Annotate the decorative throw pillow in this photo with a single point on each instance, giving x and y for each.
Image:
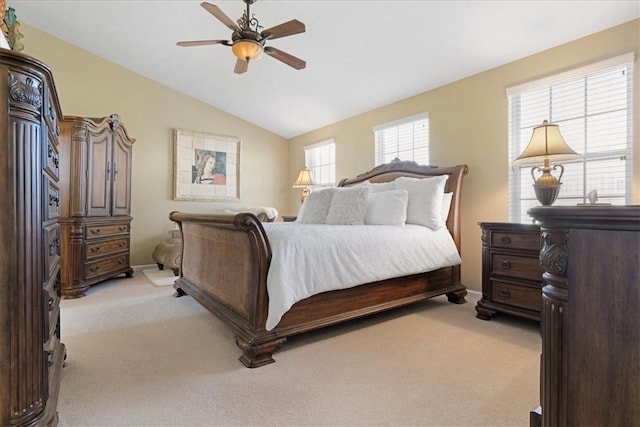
(348, 206)
(387, 208)
(316, 206)
(425, 200)
(446, 205)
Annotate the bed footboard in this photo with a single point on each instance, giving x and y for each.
(225, 261)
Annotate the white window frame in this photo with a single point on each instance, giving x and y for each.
(403, 139)
(320, 158)
(518, 130)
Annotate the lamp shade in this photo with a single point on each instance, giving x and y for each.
(247, 49)
(305, 179)
(546, 143)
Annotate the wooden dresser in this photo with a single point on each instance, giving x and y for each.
(511, 272)
(31, 354)
(590, 317)
(95, 184)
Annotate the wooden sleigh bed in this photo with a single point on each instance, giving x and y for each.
(226, 259)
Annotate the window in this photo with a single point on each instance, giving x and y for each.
(406, 139)
(320, 158)
(593, 107)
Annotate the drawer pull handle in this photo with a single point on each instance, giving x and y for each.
(506, 265)
(506, 239)
(95, 231)
(94, 250)
(122, 261)
(94, 268)
(505, 293)
(54, 200)
(51, 305)
(122, 244)
(53, 247)
(123, 228)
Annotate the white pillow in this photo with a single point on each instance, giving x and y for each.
(425, 200)
(387, 208)
(446, 205)
(316, 206)
(377, 187)
(348, 206)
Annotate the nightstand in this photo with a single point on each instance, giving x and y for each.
(511, 270)
(287, 218)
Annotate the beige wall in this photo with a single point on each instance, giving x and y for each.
(468, 125)
(90, 86)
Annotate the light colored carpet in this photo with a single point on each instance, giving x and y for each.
(138, 356)
(160, 277)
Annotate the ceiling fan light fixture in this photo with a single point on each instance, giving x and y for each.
(247, 49)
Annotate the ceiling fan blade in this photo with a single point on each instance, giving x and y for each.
(202, 43)
(288, 59)
(283, 30)
(222, 17)
(241, 66)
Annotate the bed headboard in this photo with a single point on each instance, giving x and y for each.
(396, 168)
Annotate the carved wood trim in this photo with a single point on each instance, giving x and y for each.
(554, 256)
(25, 89)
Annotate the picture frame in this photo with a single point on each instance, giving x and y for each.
(206, 166)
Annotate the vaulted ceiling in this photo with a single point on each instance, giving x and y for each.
(360, 54)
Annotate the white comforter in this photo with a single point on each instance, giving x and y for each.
(308, 259)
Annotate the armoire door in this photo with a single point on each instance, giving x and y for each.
(121, 201)
(99, 174)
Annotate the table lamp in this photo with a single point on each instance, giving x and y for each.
(304, 181)
(546, 144)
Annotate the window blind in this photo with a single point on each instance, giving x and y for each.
(320, 158)
(406, 139)
(593, 107)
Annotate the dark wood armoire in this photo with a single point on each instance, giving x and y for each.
(31, 354)
(95, 217)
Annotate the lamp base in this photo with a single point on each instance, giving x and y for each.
(547, 186)
(546, 195)
(305, 194)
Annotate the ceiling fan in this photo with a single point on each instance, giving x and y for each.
(248, 42)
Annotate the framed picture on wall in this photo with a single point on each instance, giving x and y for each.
(206, 166)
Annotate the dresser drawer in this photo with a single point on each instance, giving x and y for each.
(52, 247)
(516, 266)
(516, 295)
(53, 201)
(52, 305)
(106, 247)
(95, 231)
(105, 266)
(505, 239)
(52, 160)
(50, 347)
(51, 118)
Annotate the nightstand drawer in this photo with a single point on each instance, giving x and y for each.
(501, 239)
(516, 295)
(516, 266)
